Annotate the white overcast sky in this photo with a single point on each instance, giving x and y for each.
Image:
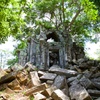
(9, 45)
(92, 49)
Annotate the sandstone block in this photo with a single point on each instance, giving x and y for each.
(39, 96)
(2, 73)
(35, 78)
(8, 77)
(41, 73)
(14, 85)
(59, 95)
(48, 91)
(35, 89)
(3, 86)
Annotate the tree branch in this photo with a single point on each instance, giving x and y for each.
(74, 18)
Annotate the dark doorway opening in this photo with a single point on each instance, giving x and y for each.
(53, 57)
(53, 36)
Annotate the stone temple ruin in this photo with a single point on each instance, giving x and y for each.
(47, 49)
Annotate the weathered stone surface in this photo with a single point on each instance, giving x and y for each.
(2, 73)
(48, 91)
(96, 75)
(9, 91)
(8, 70)
(35, 78)
(4, 96)
(77, 69)
(68, 73)
(48, 76)
(49, 82)
(79, 61)
(86, 82)
(75, 82)
(59, 95)
(87, 73)
(69, 80)
(49, 98)
(95, 93)
(29, 67)
(22, 77)
(60, 81)
(96, 79)
(97, 84)
(78, 92)
(14, 85)
(16, 67)
(35, 89)
(3, 86)
(23, 98)
(65, 90)
(39, 96)
(8, 77)
(84, 65)
(41, 73)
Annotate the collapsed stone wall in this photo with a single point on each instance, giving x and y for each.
(79, 81)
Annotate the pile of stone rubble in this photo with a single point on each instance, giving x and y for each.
(80, 80)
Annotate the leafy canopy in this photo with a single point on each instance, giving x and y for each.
(24, 18)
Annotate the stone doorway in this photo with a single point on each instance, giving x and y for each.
(53, 57)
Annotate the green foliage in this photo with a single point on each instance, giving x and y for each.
(11, 62)
(23, 18)
(31, 98)
(10, 18)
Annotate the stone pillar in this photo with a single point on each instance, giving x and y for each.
(62, 56)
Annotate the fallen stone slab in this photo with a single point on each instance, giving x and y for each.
(84, 66)
(14, 85)
(60, 81)
(35, 78)
(71, 79)
(17, 67)
(78, 92)
(9, 91)
(49, 82)
(87, 74)
(94, 93)
(39, 96)
(65, 90)
(47, 92)
(8, 77)
(29, 67)
(35, 89)
(96, 75)
(48, 76)
(41, 73)
(3, 86)
(2, 73)
(59, 95)
(22, 77)
(86, 83)
(75, 82)
(97, 85)
(96, 79)
(61, 71)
